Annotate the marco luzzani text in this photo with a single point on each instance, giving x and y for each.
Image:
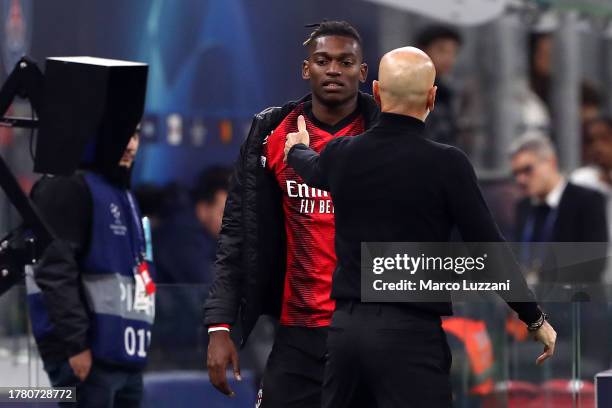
(413, 265)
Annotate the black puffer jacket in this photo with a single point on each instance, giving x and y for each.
(251, 254)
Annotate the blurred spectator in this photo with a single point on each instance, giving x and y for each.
(540, 79)
(591, 109)
(591, 102)
(554, 210)
(150, 199)
(535, 101)
(209, 197)
(598, 173)
(185, 242)
(442, 44)
(540, 65)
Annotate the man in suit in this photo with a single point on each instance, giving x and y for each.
(555, 210)
(399, 187)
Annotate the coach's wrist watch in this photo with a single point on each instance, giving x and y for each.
(532, 327)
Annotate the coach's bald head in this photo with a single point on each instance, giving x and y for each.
(406, 83)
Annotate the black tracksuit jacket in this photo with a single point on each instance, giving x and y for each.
(251, 253)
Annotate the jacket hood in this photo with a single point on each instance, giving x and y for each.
(102, 156)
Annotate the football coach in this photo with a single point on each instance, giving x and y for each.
(391, 184)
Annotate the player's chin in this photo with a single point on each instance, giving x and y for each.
(336, 98)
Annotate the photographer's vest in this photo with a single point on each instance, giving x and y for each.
(474, 336)
(120, 321)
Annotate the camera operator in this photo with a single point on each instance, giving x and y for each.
(91, 296)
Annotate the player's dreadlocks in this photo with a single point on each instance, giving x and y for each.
(340, 28)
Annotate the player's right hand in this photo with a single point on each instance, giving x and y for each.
(222, 352)
(81, 364)
(547, 336)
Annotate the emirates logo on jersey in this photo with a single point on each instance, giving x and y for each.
(312, 200)
(259, 398)
(302, 190)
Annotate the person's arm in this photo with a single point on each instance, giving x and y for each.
(307, 163)
(475, 223)
(65, 204)
(312, 167)
(223, 301)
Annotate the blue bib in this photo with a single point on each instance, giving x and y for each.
(120, 328)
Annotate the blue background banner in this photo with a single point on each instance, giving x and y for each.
(213, 65)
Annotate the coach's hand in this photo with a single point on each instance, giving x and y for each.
(301, 136)
(222, 352)
(547, 336)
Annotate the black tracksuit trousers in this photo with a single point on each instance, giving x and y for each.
(397, 354)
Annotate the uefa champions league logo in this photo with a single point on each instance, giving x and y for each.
(114, 209)
(117, 226)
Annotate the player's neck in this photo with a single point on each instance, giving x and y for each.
(331, 115)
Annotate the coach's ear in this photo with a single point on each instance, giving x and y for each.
(305, 70)
(376, 91)
(431, 98)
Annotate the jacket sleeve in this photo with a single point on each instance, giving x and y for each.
(476, 225)
(307, 163)
(223, 299)
(315, 168)
(65, 204)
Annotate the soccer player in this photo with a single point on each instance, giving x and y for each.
(276, 247)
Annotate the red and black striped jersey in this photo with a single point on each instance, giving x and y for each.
(309, 222)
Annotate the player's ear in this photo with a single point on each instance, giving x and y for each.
(305, 70)
(363, 72)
